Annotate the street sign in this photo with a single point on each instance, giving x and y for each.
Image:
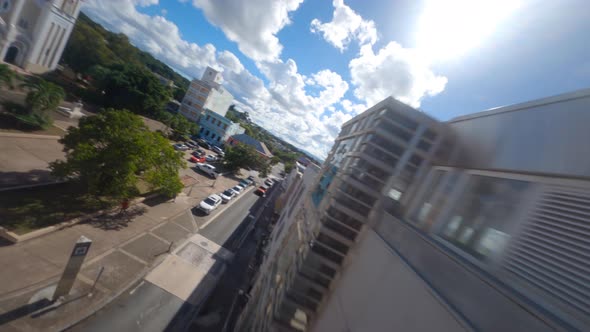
(72, 267)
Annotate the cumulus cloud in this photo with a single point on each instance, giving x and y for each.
(253, 24)
(346, 25)
(393, 71)
(284, 106)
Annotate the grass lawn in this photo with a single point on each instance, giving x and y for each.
(25, 210)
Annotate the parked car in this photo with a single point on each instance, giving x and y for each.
(191, 144)
(269, 182)
(227, 195)
(261, 191)
(204, 144)
(197, 159)
(180, 147)
(207, 169)
(217, 150)
(210, 203)
(251, 178)
(198, 153)
(237, 189)
(211, 158)
(245, 183)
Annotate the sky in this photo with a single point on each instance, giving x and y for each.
(302, 68)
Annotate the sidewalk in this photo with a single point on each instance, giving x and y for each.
(126, 247)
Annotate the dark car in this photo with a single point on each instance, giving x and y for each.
(205, 145)
(199, 153)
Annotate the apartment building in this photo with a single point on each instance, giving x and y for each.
(206, 94)
(216, 128)
(478, 223)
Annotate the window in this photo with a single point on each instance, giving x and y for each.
(224, 127)
(218, 139)
(4, 6)
(480, 222)
(429, 135)
(424, 146)
(208, 117)
(207, 132)
(218, 123)
(437, 193)
(213, 136)
(402, 120)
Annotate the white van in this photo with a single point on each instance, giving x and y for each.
(207, 169)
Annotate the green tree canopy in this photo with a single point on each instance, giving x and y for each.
(130, 87)
(43, 95)
(245, 156)
(112, 151)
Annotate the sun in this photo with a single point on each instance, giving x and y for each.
(448, 29)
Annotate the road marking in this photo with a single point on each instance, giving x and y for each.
(136, 287)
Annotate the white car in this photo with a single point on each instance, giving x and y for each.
(227, 195)
(207, 169)
(211, 158)
(180, 147)
(218, 150)
(269, 182)
(210, 203)
(237, 189)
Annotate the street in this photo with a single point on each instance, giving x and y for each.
(147, 307)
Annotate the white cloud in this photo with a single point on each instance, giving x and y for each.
(253, 24)
(393, 71)
(346, 25)
(285, 106)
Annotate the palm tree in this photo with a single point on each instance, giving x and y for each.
(7, 75)
(43, 96)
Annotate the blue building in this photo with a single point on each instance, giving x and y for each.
(216, 128)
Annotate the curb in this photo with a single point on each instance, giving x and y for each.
(3, 134)
(15, 238)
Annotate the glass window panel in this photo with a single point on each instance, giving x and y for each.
(479, 223)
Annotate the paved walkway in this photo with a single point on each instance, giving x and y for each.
(125, 246)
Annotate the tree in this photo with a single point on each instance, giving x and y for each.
(43, 96)
(289, 167)
(245, 156)
(112, 151)
(128, 86)
(7, 76)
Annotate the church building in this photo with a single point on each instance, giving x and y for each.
(34, 33)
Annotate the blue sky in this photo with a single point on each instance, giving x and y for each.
(302, 68)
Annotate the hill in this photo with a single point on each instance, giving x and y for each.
(108, 48)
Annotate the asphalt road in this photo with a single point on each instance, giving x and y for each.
(148, 307)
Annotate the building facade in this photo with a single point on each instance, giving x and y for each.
(216, 128)
(33, 34)
(206, 94)
(479, 223)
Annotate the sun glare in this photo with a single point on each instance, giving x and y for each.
(447, 29)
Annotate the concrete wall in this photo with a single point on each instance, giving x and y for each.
(484, 303)
(547, 136)
(378, 292)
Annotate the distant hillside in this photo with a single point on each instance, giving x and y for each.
(287, 152)
(108, 48)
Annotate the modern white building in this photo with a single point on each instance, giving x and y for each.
(34, 33)
(206, 94)
(481, 223)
